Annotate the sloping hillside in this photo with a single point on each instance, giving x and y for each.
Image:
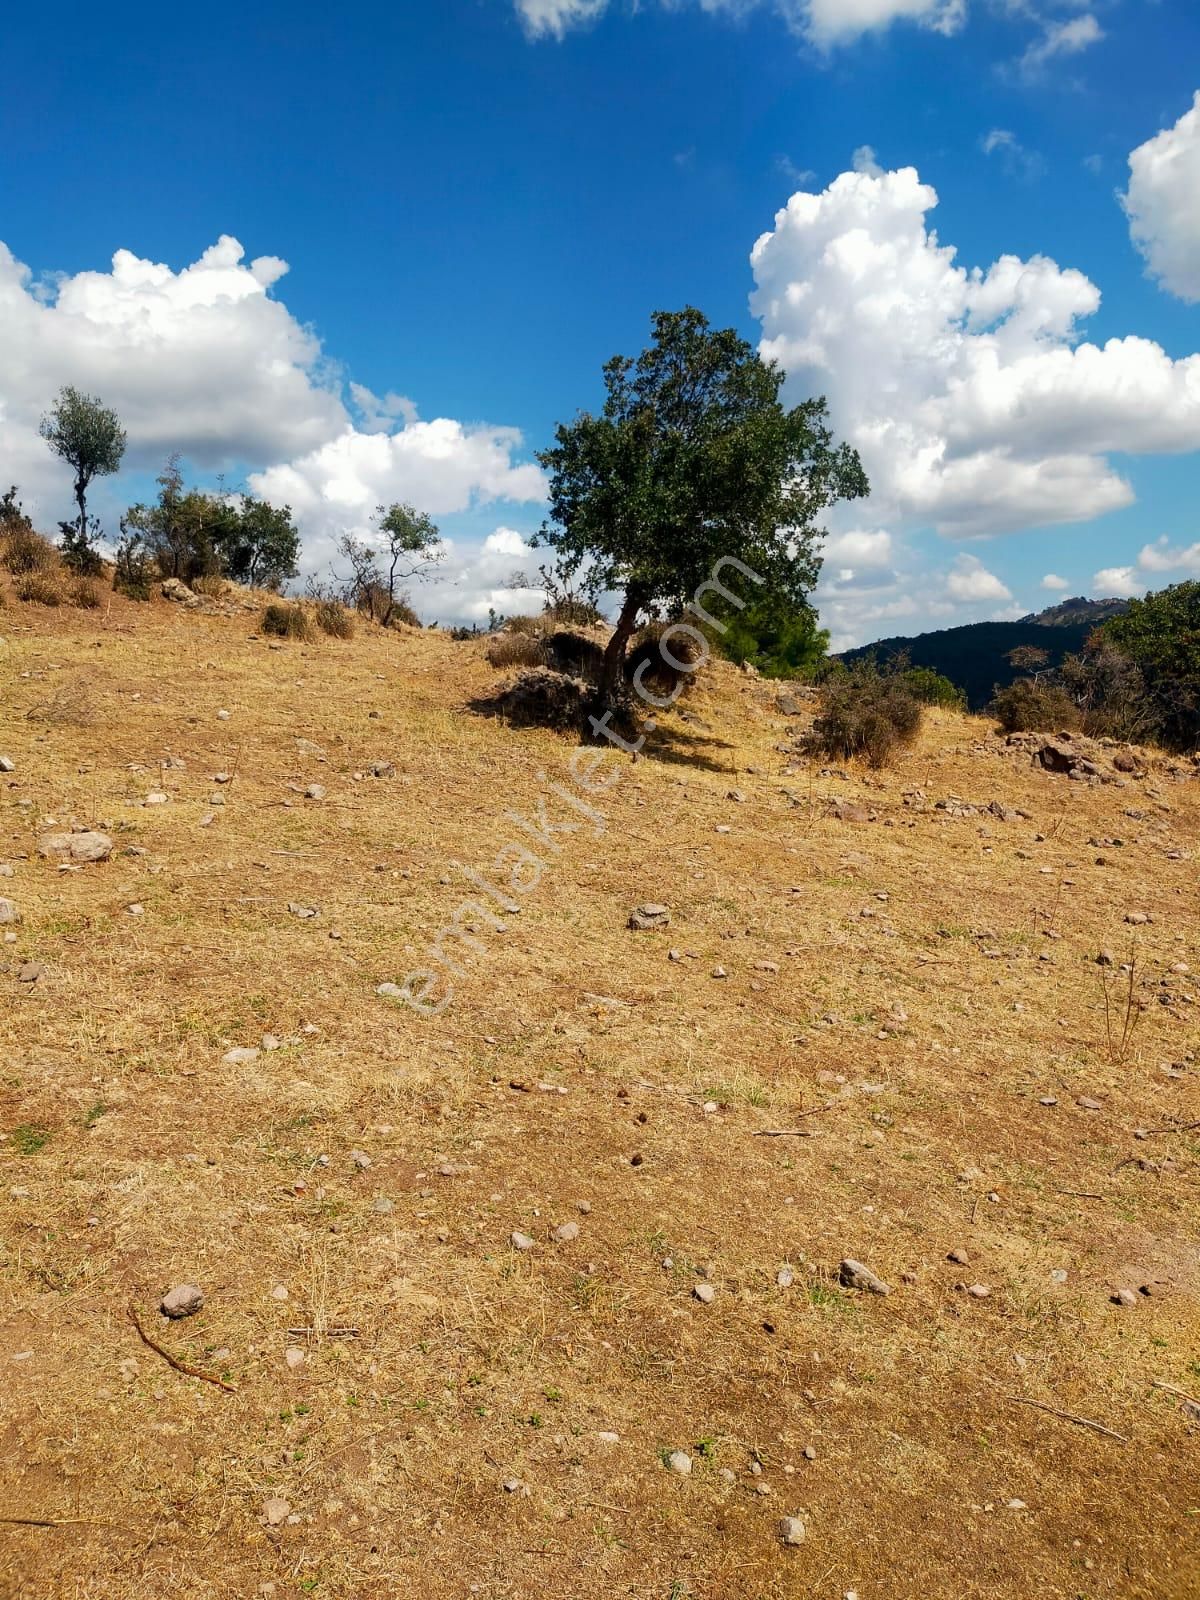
(975, 656)
(481, 1286)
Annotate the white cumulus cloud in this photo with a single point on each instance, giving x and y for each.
(1161, 556)
(969, 580)
(1163, 204)
(1117, 583)
(975, 404)
(206, 361)
(825, 22)
(1053, 582)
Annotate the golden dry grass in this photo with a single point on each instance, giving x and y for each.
(135, 1158)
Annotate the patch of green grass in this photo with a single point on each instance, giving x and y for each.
(29, 1138)
(94, 1114)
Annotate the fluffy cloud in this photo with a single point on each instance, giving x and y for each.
(1117, 583)
(205, 361)
(969, 581)
(202, 360)
(472, 580)
(1163, 204)
(1160, 557)
(968, 392)
(1053, 582)
(442, 467)
(825, 22)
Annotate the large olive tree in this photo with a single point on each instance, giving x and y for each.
(88, 436)
(692, 459)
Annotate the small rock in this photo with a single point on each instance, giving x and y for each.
(279, 1292)
(158, 798)
(6, 765)
(1124, 1297)
(87, 846)
(792, 1530)
(785, 1277)
(315, 791)
(1105, 958)
(705, 1293)
(382, 1206)
(605, 1436)
(521, 1241)
(1048, 1100)
(360, 1159)
(30, 972)
(275, 1511)
(241, 1056)
(182, 1301)
(1086, 1103)
(9, 912)
(512, 1485)
(719, 972)
(809, 1453)
(960, 1256)
(566, 1232)
(979, 1291)
(649, 915)
(136, 909)
(295, 1357)
(855, 1276)
(680, 1463)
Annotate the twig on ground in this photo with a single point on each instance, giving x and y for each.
(1082, 1194)
(1069, 1416)
(794, 1133)
(180, 1366)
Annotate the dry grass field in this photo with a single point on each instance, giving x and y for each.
(414, 1404)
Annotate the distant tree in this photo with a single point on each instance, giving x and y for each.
(185, 530)
(692, 460)
(1161, 635)
(1029, 658)
(409, 546)
(259, 545)
(88, 436)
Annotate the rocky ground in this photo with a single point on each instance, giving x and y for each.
(797, 1196)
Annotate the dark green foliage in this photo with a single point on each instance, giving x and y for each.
(88, 436)
(867, 713)
(781, 639)
(283, 621)
(932, 689)
(12, 514)
(1161, 636)
(133, 569)
(693, 461)
(78, 549)
(258, 545)
(1029, 706)
(410, 545)
(975, 656)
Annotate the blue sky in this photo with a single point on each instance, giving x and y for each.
(475, 214)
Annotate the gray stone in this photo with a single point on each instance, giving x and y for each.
(6, 765)
(315, 791)
(88, 846)
(705, 1293)
(30, 972)
(649, 915)
(792, 1530)
(9, 912)
(521, 1241)
(184, 1300)
(680, 1463)
(855, 1276)
(241, 1056)
(566, 1232)
(276, 1510)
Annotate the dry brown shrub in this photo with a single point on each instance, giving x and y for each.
(515, 650)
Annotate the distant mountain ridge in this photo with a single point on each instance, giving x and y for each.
(974, 656)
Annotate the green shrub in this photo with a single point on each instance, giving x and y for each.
(1035, 706)
(865, 713)
(933, 688)
(283, 621)
(133, 569)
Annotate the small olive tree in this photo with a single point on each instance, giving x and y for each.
(88, 436)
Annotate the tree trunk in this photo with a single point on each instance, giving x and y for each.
(614, 652)
(81, 502)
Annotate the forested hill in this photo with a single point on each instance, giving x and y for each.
(975, 656)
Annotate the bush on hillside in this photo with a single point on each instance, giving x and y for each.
(133, 569)
(1160, 634)
(1111, 692)
(515, 650)
(282, 621)
(333, 618)
(933, 689)
(43, 586)
(84, 594)
(1029, 706)
(867, 714)
(25, 551)
(662, 677)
